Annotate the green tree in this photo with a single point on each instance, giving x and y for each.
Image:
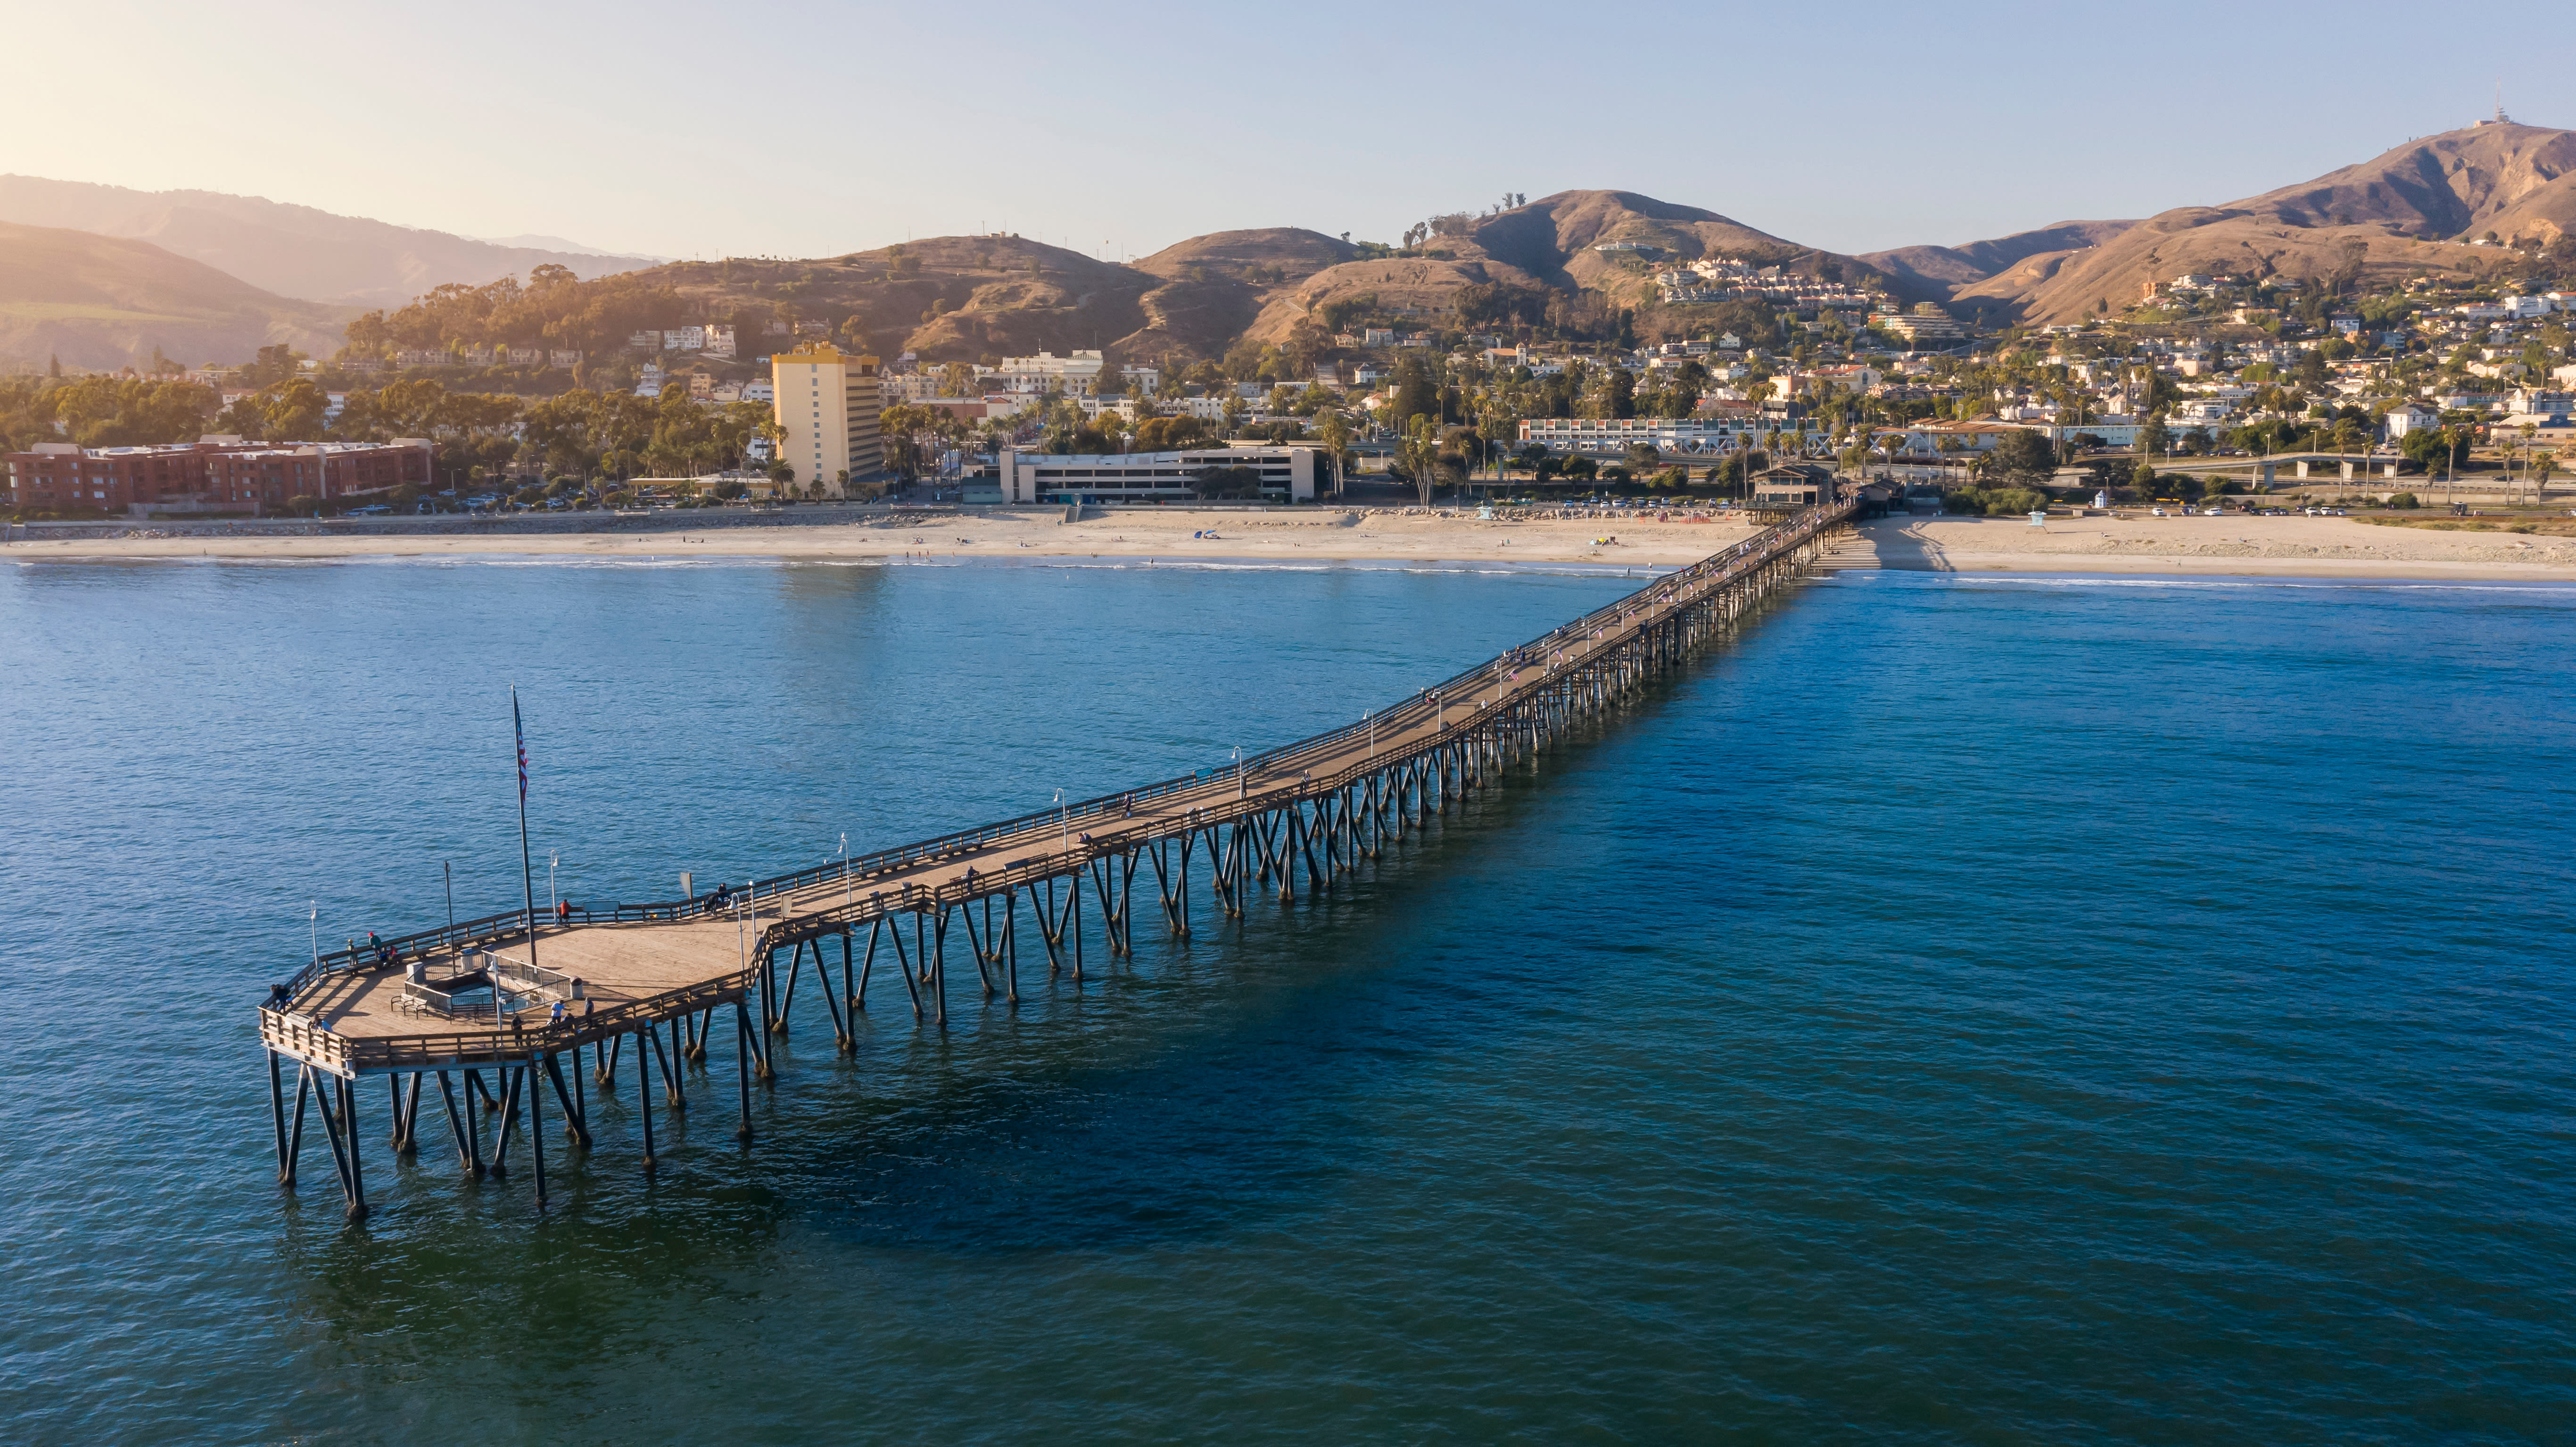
(1334, 432)
(2022, 456)
(292, 410)
(1419, 455)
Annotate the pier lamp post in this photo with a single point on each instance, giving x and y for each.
(1239, 785)
(1063, 824)
(845, 871)
(552, 859)
(314, 921)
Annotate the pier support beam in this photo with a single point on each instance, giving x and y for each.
(742, 1066)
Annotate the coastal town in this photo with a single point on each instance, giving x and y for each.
(1734, 374)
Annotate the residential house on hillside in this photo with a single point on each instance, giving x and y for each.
(1076, 376)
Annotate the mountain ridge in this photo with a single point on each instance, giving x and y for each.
(975, 298)
(2413, 209)
(299, 252)
(104, 302)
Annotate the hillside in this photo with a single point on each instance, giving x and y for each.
(99, 301)
(2408, 212)
(980, 298)
(1547, 243)
(291, 251)
(1935, 273)
(948, 298)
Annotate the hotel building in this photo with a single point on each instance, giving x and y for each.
(830, 406)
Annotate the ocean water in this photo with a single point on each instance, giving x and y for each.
(1955, 1010)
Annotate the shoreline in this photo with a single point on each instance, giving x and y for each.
(2289, 548)
(1640, 544)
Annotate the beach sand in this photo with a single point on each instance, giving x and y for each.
(2321, 547)
(1301, 535)
(2266, 546)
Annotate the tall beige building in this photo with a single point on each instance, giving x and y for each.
(829, 405)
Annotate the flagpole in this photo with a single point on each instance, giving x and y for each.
(527, 871)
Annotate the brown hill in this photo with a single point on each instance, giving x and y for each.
(947, 298)
(1215, 286)
(2408, 212)
(293, 251)
(1548, 243)
(101, 301)
(1935, 273)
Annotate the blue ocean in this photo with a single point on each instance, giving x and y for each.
(1952, 1010)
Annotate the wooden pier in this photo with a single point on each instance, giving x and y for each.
(504, 1018)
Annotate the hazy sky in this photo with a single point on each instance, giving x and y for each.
(813, 129)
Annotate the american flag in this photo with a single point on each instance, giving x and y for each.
(521, 731)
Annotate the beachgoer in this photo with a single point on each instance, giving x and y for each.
(555, 1016)
(563, 910)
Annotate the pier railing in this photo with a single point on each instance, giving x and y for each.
(1753, 552)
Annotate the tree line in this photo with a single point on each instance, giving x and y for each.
(604, 434)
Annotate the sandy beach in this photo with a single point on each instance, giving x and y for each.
(2268, 546)
(2323, 547)
(1301, 535)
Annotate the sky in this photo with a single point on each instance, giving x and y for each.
(807, 129)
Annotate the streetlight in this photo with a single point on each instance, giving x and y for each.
(314, 921)
(845, 871)
(1239, 786)
(552, 858)
(1064, 824)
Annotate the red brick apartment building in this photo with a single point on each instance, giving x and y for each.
(212, 474)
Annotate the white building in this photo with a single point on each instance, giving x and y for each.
(1286, 474)
(2410, 417)
(1664, 434)
(1075, 376)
